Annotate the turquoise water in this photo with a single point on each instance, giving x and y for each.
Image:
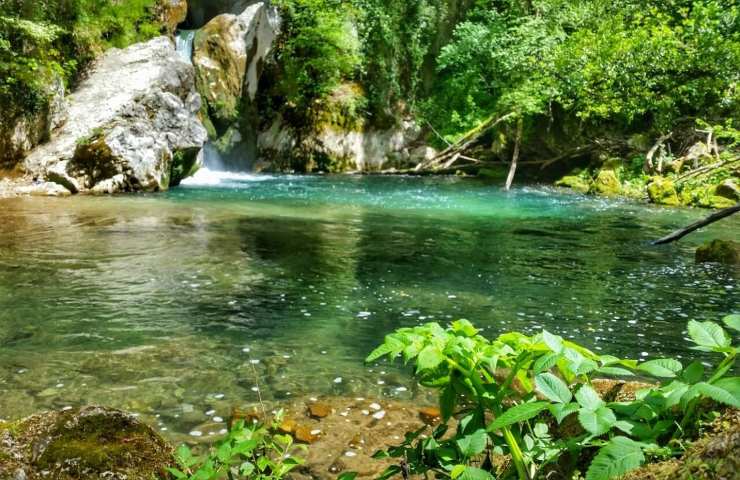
(230, 288)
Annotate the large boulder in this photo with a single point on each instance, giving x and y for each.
(85, 444)
(131, 126)
(606, 183)
(228, 56)
(172, 13)
(662, 191)
(337, 149)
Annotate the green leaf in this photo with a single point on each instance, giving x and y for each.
(616, 458)
(516, 414)
(615, 371)
(588, 398)
(560, 411)
(718, 394)
(447, 402)
(429, 358)
(732, 321)
(597, 422)
(391, 347)
(731, 384)
(347, 476)
(545, 362)
(708, 334)
(176, 473)
(473, 444)
(693, 373)
(457, 470)
(464, 327)
(474, 473)
(662, 367)
(553, 388)
(554, 342)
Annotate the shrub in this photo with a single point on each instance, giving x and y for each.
(545, 381)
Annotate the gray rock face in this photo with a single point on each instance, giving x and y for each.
(228, 56)
(347, 150)
(20, 133)
(131, 126)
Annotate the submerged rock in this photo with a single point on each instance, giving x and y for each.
(719, 251)
(662, 191)
(129, 123)
(89, 443)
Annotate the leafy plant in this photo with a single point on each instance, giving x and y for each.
(249, 451)
(532, 385)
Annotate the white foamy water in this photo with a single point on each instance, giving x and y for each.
(208, 177)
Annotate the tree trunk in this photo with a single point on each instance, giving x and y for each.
(515, 157)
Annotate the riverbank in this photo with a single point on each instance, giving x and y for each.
(341, 435)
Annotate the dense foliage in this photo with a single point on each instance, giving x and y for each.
(626, 66)
(547, 416)
(247, 451)
(42, 41)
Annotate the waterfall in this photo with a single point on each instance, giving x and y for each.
(184, 44)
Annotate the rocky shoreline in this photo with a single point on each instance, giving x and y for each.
(341, 434)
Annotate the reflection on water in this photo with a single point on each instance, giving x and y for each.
(188, 302)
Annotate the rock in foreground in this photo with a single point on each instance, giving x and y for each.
(89, 443)
(131, 126)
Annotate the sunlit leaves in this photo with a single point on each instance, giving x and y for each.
(708, 336)
(553, 388)
(516, 414)
(662, 367)
(615, 459)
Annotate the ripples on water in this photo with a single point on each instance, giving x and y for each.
(167, 304)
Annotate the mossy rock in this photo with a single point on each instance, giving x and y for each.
(662, 191)
(729, 190)
(89, 443)
(716, 201)
(574, 182)
(714, 456)
(606, 183)
(719, 251)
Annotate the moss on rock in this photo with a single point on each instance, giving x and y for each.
(719, 251)
(89, 443)
(662, 191)
(606, 183)
(574, 182)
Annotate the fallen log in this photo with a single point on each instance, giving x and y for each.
(715, 217)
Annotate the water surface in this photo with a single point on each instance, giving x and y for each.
(187, 302)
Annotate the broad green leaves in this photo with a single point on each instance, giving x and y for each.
(708, 336)
(615, 459)
(597, 422)
(473, 444)
(516, 378)
(516, 414)
(733, 321)
(429, 358)
(588, 398)
(553, 388)
(663, 367)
